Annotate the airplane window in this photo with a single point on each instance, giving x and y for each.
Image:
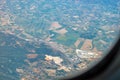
(53, 39)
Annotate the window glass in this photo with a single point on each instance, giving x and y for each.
(51, 39)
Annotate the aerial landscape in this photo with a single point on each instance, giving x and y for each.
(51, 39)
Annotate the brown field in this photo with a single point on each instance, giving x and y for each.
(4, 21)
(61, 31)
(87, 45)
(31, 56)
(55, 25)
(77, 43)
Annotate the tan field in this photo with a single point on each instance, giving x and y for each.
(61, 31)
(31, 56)
(4, 21)
(87, 45)
(51, 72)
(55, 25)
(77, 43)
